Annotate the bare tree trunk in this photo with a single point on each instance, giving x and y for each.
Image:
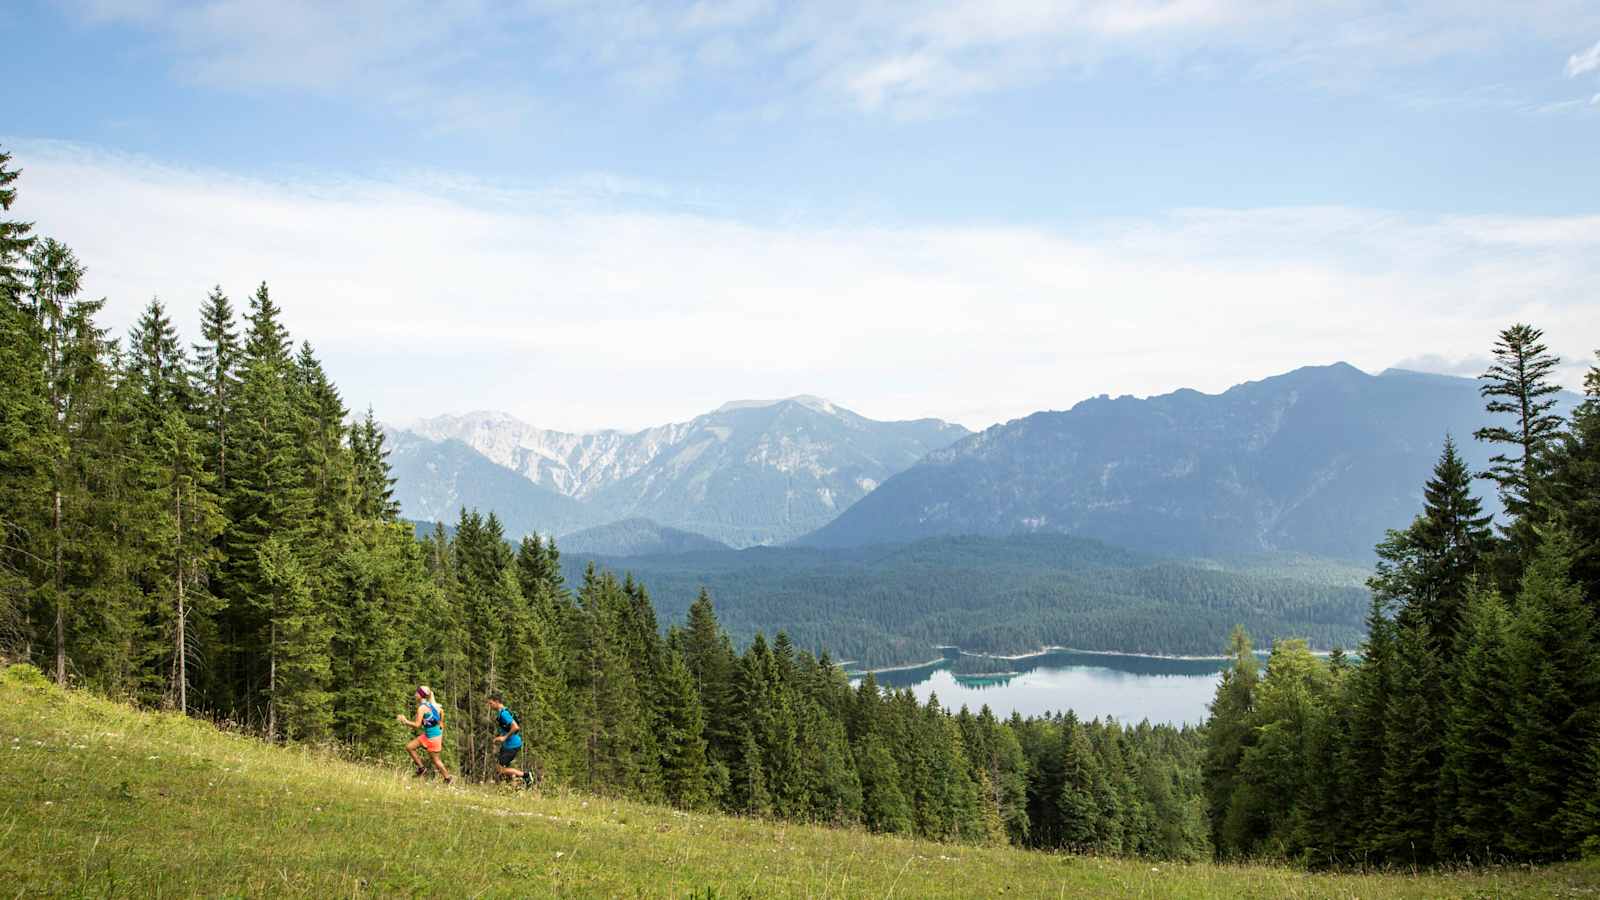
(272, 685)
(61, 619)
(58, 420)
(222, 426)
(183, 674)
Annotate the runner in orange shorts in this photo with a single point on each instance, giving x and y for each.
(430, 721)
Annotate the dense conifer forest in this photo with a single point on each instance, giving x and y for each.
(203, 527)
(889, 605)
(1470, 730)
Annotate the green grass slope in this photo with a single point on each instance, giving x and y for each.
(102, 800)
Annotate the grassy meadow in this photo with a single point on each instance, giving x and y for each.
(103, 800)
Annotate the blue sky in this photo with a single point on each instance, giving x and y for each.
(663, 206)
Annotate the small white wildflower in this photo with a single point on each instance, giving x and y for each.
(560, 853)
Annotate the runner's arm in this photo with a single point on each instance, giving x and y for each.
(414, 723)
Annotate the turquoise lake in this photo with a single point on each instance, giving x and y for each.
(1127, 688)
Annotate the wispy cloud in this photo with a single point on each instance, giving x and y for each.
(590, 307)
(889, 57)
(1587, 61)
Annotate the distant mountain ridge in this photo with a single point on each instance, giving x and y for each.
(637, 537)
(1320, 460)
(750, 472)
(435, 479)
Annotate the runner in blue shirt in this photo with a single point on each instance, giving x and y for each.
(509, 739)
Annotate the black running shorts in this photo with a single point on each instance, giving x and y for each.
(507, 754)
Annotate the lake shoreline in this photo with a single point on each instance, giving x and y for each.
(1017, 657)
(1046, 651)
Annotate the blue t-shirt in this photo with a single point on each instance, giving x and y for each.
(431, 721)
(504, 720)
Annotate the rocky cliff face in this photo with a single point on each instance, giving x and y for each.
(747, 473)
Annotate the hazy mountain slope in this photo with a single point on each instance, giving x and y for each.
(1320, 460)
(748, 473)
(885, 605)
(637, 537)
(435, 479)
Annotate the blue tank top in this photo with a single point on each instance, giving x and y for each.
(504, 721)
(431, 721)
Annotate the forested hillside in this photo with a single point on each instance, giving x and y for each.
(637, 537)
(890, 605)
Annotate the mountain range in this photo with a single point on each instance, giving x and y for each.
(748, 473)
(1320, 461)
(1317, 461)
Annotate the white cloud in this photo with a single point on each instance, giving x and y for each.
(1587, 61)
(428, 295)
(924, 55)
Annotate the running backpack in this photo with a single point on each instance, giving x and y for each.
(432, 719)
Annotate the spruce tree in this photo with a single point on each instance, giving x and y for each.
(183, 520)
(266, 499)
(1423, 571)
(1518, 383)
(1478, 735)
(377, 578)
(1360, 761)
(684, 772)
(1555, 678)
(216, 375)
(156, 362)
(300, 666)
(56, 279)
(1573, 486)
(1080, 814)
(1413, 751)
(1581, 815)
(374, 482)
(833, 785)
(609, 720)
(1230, 732)
(884, 807)
(1005, 771)
(1108, 791)
(710, 660)
(30, 443)
(15, 238)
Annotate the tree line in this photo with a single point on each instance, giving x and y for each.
(203, 527)
(1470, 728)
